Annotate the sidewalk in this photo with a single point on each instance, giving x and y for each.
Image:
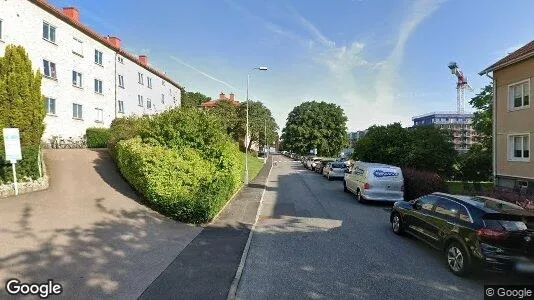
(206, 268)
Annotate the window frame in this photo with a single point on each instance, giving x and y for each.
(148, 103)
(140, 78)
(149, 82)
(511, 100)
(1, 29)
(80, 77)
(511, 144)
(54, 72)
(99, 115)
(79, 43)
(120, 80)
(120, 106)
(79, 111)
(47, 106)
(162, 98)
(48, 38)
(99, 57)
(100, 89)
(140, 101)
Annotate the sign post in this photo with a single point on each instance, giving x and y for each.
(13, 151)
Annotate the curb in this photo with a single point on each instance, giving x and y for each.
(235, 283)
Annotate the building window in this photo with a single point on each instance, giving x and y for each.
(519, 147)
(49, 32)
(162, 98)
(98, 86)
(77, 79)
(140, 78)
(49, 69)
(149, 82)
(50, 106)
(98, 57)
(121, 81)
(148, 103)
(121, 106)
(77, 47)
(99, 115)
(519, 95)
(77, 111)
(120, 59)
(140, 100)
(1, 36)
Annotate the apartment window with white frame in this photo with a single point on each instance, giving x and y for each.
(149, 82)
(121, 81)
(98, 86)
(148, 103)
(162, 98)
(77, 79)
(121, 106)
(1, 23)
(49, 32)
(50, 106)
(99, 115)
(98, 57)
(140, 100)
(77, 47)
(140, 75)
(519, 95)
(519, 147)
(49, 69)
(77, 111)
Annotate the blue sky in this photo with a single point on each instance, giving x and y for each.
(382, 61)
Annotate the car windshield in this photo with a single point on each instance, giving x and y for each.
(493, 204)
(338, 165)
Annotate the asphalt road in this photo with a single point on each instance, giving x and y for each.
(314, 241)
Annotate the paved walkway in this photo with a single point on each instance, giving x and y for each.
(86, 232)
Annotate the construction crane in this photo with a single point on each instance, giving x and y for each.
(461, 86)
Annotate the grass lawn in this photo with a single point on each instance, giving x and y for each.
(254, 165)
(457, 187)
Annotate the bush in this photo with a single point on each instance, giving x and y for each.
(27, 168)
(97, 137)
(418, 183)
(123, 129)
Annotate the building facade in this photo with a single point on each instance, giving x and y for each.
(88, 79)
(459, 124)
(513, 119)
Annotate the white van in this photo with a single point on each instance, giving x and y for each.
(375, 182)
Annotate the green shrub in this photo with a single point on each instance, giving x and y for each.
(97, 137)
(28, 167)
(123, 129)
(418, 183)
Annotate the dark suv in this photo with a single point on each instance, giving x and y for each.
(473, 232)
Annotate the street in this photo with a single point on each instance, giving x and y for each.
(312, 240)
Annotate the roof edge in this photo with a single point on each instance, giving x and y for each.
(493, 68)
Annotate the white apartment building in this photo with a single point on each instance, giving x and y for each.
(88, 79)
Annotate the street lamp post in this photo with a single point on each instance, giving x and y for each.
(246, 136)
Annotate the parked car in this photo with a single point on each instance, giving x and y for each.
(474, 232)
(322, 164)
(312, 162)
(376, 182)
(334, 170)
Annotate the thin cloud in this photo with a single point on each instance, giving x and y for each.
(204, 73)
(317, 35)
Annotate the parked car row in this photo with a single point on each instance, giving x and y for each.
(472, 232)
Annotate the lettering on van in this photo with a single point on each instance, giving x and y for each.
(382, 173)
(359, 171)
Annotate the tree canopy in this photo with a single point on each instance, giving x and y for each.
(193, 99)
(260, 117)
(318, 125)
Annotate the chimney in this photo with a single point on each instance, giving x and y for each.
(114, 41)
(143, 59)
(222, 96)
(232, 97)
(72, 13)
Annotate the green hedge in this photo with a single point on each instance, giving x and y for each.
(123, 129)
(28, 167)
(97, 137)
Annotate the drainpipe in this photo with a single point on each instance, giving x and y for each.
(494, 128)
(116, 56)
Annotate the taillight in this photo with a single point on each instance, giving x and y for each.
(491, 234)
(366, 186)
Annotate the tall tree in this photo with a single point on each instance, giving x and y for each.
(259, 117)
(193, 99)
(227, 113)
(318, 125)
(483, 117)
(21, 101)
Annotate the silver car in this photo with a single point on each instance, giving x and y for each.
(334, 170)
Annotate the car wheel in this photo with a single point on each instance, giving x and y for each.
(458, 259)
(396, 223)
(359, 197)
(345, 189)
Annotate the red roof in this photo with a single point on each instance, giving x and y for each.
(78, 25)
(222, 97)
(520, 54)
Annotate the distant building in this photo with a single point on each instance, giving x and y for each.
(356, 135)
(458, 123)
(222, 97)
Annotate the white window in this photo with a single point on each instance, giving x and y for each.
(50, 106)
(98, 86)
(519, 95)
(519, 147)
(49, 32)
(99, 115)
(120, 59)
(49, 69)
(148, 103)
(121, 81)
(76, 79)
(98, 57)
(162, 98)
(121, 106)
(1, 21)
(77, 47)
(140, 77)
(77, 111)
(149, 82)
(140, 100)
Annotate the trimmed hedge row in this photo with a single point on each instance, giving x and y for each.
(28, 167)
(419, 183)
(97, 137)
(123, 129)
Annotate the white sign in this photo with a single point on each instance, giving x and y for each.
(12, 144)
